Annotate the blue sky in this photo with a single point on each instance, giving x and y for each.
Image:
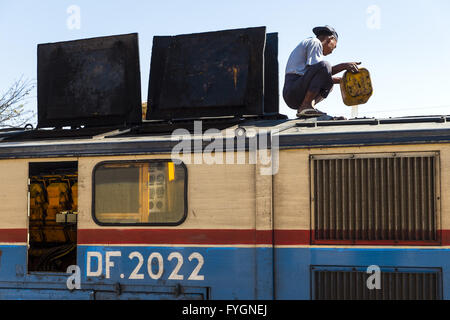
(402, 43)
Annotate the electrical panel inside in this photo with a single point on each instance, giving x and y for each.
(53, 201)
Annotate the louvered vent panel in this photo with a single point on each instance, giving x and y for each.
(394, 285)
(379, 198)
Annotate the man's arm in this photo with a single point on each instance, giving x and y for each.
(337, 80)
(349, 66)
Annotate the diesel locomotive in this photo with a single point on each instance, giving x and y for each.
(211, 193)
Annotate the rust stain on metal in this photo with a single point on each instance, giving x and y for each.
(235, 74)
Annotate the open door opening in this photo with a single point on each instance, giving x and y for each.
(53, 213)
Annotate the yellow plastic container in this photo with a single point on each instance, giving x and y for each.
(356, 88)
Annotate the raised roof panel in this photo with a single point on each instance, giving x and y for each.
(271, 80)
(208, 74)
(93, 82)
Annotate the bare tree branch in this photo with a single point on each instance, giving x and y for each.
(12, 104)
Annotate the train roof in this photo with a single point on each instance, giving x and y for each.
(161, 137)
(202, 87)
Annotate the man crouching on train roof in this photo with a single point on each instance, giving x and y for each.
(309, 79)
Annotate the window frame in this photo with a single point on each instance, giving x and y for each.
(140, 224)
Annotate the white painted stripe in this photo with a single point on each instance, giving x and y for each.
(13, 243)
(243, 246)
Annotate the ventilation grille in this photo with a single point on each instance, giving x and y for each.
(385, 198)
(395, 284)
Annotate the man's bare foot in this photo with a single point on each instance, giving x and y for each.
(306, 112)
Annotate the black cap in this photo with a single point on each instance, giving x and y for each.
(325, 30)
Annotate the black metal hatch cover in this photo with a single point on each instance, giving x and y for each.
(207, 74)
(93, 82)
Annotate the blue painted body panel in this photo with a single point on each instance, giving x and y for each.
(292, 265)
(228, 272)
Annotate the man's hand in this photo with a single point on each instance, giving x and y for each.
(352, 66)
(349, 66)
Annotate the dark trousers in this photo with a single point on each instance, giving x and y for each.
(317, 78)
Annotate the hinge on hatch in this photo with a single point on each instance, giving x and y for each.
(178, 290)
(28, 198)
(118, 288)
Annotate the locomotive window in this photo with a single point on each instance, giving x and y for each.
(139, 192)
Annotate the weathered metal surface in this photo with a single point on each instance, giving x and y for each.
(93, 82)
(271, 83)
(207, 74)
(376, 198)
(68, 146)
(407, 284)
